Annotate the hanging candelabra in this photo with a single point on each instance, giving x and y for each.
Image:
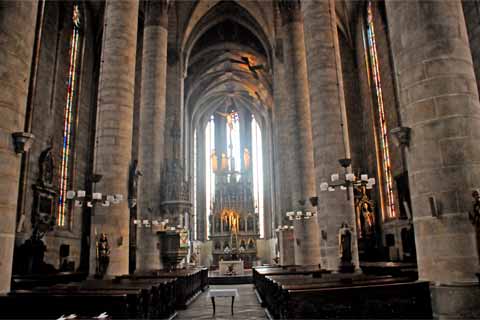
(347, 180)
(81, 198)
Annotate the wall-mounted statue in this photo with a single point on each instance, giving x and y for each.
(134, 174)
(103, 255)
(46, 167)
(474, 217)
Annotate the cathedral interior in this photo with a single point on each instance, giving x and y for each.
(320, 152)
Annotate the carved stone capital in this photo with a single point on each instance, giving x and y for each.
(290, 11)
(157, 13)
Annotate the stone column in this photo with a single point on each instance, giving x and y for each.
(298, 123)
(114, 130)
(280, 146)
(17, 31)
(286, 247)
(306, 240)
(439, 102)
(152, 127)
(330, 137)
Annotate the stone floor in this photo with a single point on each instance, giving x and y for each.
(247, 307)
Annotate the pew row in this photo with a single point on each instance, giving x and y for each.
(302, 295)
(189, 283)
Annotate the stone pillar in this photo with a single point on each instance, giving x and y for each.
(17, 31)
(329, 125)
(439, 102)
(307, 240)
(280, 146)
(286, 247)
(114, 130)
(298, 124)
(152, 127)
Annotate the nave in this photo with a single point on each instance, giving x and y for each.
(245, 307)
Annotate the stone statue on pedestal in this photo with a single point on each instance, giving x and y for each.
(345, 248)
(103, 255)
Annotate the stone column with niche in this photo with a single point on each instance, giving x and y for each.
(114, 131)
(329, 125)
(152, 128)
(439, 102)
(298, 123)
(17, 31)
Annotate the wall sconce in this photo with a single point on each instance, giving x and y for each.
(22, 141)
(401, 136)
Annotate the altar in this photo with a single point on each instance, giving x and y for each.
(233, 267)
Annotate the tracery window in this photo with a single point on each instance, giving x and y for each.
(69, 119)
(209, 175)
(373, 70)
(257, 166)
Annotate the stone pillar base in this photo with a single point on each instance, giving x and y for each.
(455, 301)
(286, 247)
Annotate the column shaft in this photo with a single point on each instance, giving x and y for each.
(328, 124)
(152, 127)
(298, 124)
(17, 31)
(439, 102)
(114, 129)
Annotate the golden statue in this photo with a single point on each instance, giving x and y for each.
(224, 162)
(364, 208)
(213, 158)
(246, 158)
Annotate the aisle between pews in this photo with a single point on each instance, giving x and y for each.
(245, 307)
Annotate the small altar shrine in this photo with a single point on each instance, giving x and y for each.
(231, 268)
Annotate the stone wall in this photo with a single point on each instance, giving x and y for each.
(48, 120)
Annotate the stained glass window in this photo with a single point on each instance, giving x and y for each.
(68, 120)
(375, 82)
(257, 167)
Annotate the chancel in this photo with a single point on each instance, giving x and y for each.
(286, 159)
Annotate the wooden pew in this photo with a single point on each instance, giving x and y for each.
(119, 304)
(189, 282)
(152, 299)
(27, 282)
(345, 296)
(259, 274)
(392, 300)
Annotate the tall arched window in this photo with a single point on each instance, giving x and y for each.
(376, 87)
(257, 167)
(195, 231)
(69, 119)
(209, 175)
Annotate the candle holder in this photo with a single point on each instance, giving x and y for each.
(347, 180)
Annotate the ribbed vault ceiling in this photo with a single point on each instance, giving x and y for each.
(228, 67)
